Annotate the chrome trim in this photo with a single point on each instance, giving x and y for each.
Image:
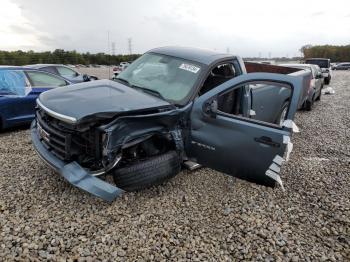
(108, 168)
(64, 118)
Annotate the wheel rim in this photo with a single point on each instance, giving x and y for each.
(283, 116)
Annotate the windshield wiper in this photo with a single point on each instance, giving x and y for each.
(150, 91)
(124, 81)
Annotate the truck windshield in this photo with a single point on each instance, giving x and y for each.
(323, 63)
(173, 78)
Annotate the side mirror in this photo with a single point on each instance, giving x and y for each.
(211, 108)
(86, 78)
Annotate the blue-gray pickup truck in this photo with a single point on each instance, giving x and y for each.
(171, 108)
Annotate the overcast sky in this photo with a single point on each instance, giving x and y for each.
(246, 28)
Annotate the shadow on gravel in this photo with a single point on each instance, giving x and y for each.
(14, 129)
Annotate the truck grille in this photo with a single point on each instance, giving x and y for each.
(69, 144)
(55, 139)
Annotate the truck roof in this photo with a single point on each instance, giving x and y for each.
(203, 56)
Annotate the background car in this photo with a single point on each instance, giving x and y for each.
(64, 71)
(120, 68)
(325, 65)
(19, 89)
(316, 83)
(342, 66)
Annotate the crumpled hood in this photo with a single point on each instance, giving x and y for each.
(76, 102)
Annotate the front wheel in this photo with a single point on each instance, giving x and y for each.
(149, 172)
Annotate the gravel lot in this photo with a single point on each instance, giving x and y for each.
(203, 215)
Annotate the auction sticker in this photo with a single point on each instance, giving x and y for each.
(191, 68)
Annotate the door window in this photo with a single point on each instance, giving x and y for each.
(269, 102)
(14, 83)
(50, 69)
(41, 79)
(66, 72)
(218, 75)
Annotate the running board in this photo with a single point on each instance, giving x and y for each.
(192, 165)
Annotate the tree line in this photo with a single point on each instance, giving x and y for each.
(335, 53)
(60, 56)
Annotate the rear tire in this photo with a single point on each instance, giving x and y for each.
(149, 172)
(319, 96)
(309, 104)
(327, 80)
(283, 113)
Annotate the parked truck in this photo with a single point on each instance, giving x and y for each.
(173, 107)
(325, 65)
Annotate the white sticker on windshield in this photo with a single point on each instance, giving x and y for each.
(191, 68)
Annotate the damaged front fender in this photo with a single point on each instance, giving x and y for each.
(123, 130)
(74, 173)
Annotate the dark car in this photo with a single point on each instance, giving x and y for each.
(171, 106)
(325, 65)
(342, 66)
(19, 89)
(64, 71)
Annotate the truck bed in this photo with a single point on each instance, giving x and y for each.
(264, 68)
(252, 67)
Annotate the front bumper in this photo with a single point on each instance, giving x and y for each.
(73, 172)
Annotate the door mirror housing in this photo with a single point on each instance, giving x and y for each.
(211, 108)
(86, 78)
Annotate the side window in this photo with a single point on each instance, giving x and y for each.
(50, 69)
(218, 75)
(41, 79)
(66, 72)
(14, 83)
(269, 102)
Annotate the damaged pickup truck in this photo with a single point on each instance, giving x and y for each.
(173, 107)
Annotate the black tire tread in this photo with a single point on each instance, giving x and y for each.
(147, 173)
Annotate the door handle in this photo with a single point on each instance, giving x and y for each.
(267, 141)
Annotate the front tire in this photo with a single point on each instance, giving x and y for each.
(309, 104)
(147, 173)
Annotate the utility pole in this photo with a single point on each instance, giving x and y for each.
(227, 50)
(130, 45)
(113, 48)
(109, 57)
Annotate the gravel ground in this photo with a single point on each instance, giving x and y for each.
(203, 215)
(104, 72)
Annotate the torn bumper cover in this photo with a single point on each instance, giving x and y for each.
(74, 173)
